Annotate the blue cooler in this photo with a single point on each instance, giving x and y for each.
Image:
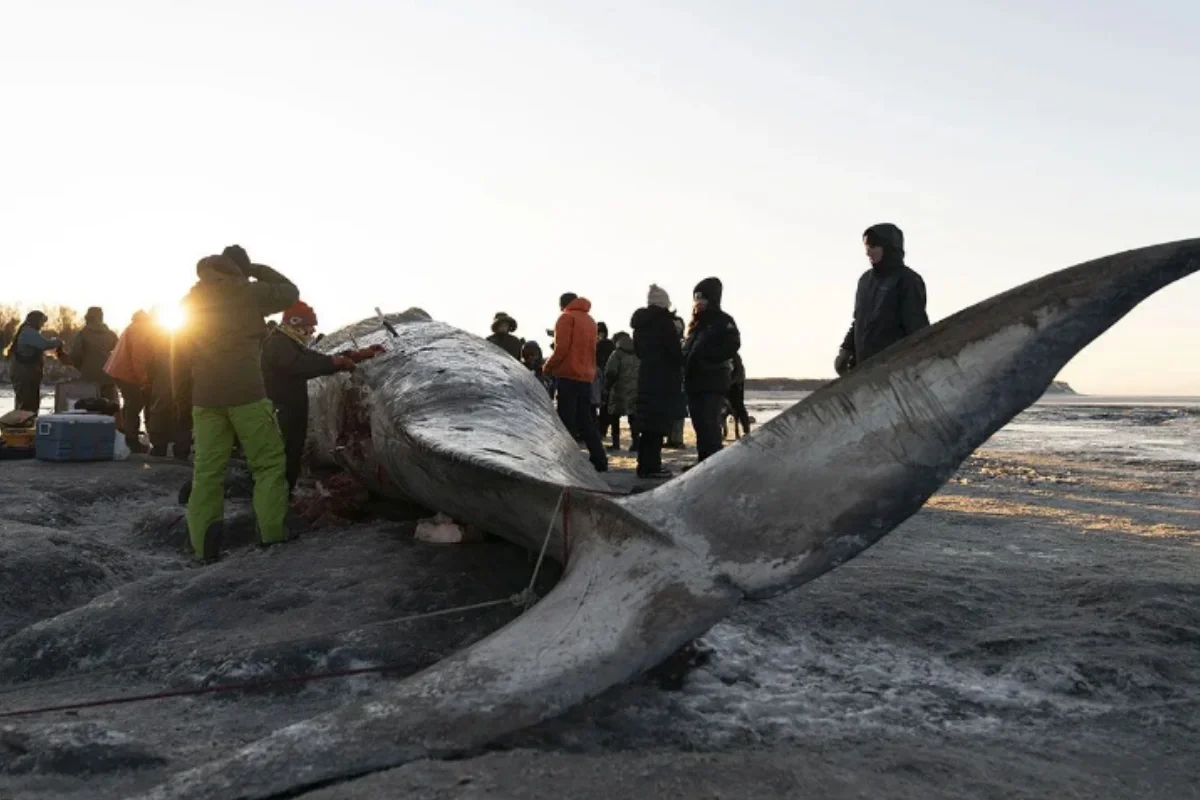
(75, 437)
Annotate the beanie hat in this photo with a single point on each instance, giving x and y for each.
(602, 327)
(710, 289)
(658, 297)
(300, 315)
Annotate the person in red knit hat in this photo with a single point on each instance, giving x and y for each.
(288, 364)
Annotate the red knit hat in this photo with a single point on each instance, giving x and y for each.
(300, 315)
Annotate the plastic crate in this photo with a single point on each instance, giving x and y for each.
(75, 437)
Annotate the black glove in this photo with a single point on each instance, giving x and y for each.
(844, 361)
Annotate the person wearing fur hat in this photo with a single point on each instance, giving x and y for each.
(659, 399)
(889, 303)
(225, 312)
(503, 328)
(713, 340)
(288, 364)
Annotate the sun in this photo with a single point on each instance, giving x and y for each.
(172, 317)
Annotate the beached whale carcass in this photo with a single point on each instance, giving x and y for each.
(461, 428)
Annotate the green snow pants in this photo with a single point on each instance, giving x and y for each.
(255, 427)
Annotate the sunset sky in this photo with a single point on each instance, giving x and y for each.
(474, 157)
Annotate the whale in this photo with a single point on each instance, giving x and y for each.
(449, 421)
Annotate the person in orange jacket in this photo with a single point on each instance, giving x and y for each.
(574, 364)
(129, 366)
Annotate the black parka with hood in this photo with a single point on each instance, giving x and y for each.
(711, 344)
(890, 301)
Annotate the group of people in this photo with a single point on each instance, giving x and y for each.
(667, 371)
(131, 372)
(227, 380)
(664, 372)
(231, 379)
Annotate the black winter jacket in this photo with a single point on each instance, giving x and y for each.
(889, 305)
(287, 368)
(709, 351)
(508, 343)
(660, 398)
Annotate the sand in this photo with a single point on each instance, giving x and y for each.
(1034, 632)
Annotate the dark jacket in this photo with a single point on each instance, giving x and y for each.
(90, 351)
(890, 301)
(604, 351)
(29, 348)
(508, 343)
(660, 370)
(711, 344)
(225, 329)
(739, 370)
(287, 367)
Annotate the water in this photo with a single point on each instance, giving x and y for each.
(6, 400)
(1137, 429)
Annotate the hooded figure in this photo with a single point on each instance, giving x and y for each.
(225, 311)
(574, 364)
(889, 303)
(89, 352)
(503, 328)
(713, 340)
(28, 356)
(288, 364)
(659, 401)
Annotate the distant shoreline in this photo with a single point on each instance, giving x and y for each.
(813, 384)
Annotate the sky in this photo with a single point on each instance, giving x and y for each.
(475, 157)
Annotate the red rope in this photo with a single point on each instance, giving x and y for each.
(249, 686)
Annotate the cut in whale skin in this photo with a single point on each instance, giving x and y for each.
(465, 429)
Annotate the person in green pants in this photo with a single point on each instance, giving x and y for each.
(224, 329)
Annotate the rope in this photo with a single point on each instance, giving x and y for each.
(525, 599)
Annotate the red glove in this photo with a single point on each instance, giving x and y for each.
(343, 363)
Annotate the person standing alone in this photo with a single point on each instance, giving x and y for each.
(713, 340)
(573, 363)
(889, 304)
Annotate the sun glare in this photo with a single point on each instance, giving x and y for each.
(171, 317)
